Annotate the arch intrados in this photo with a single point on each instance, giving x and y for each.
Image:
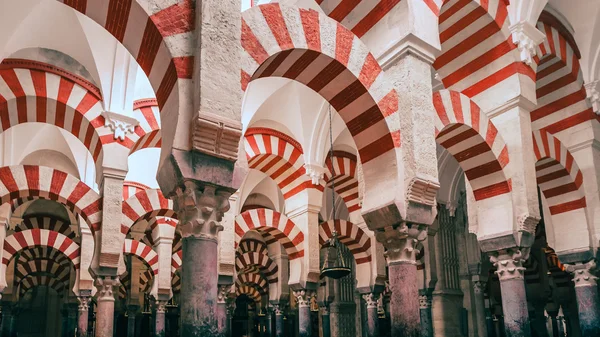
(43, 253)
(145, 205)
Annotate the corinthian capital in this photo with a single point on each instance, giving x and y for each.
(304, 297)
(583, 274)
(371, 299)
(84, 303)
(200, 209)
(509, 263)
(401, 242)
(106, 286)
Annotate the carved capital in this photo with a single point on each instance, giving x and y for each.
(478, 287)
(106, 286)
(200, 211)
(161, 306)
(224, 290)
(401, 242)
(84, 303)
(120, 125)
(422, 191)
(593, 95)
(278, 309)
(509, 263)
(315, 173)
(583, 274)
(230, 306)
(217, 136)
(371, 299)
(324, 310)
(424, 301)
(527, 38)
(304, 297)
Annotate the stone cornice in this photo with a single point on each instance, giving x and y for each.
(518, 101)
(527, 38)
(409, 44)
(144, 103)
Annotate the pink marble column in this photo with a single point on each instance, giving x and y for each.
(161, 309)
(105, 309)
(588, 298)
(372, 316)
(304, 298)
(82, 320)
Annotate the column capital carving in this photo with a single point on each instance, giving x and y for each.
(304, 297)
(324, 309)
(84, 303)
(200, 210)
(527, 38)
(161, 306)
(478, 287)
(583, 274)
(120, 125)
(279, 309)
(372, 299)
(424, 301)
(401, 242)
(224, 290)
(315, 173)
(509, 263)
(106, 286)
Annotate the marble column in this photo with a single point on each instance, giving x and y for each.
(105, 308)
(303, 298)
(71, 319)
(160, 319)
(222, 309)
(425, 311)
(200, 212)
(82, 320)
(251, 319)
(230, 313)
(269, 322)
(480, 315)
(8, 319)
(400, 244)
(132, 311)
(586, 292)
(510, 271)
(279, 323)
(325, 322)
(372, 316)
(554, 322)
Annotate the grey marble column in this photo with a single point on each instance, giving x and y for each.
(303, 298)
(160, 319)
(71, 319)
(586, 292)
(510, 271)
(325, 322)
(372, 317)
(480, 315)
(105, 309)
(132, 311)
(269, 322)
(200, 211)
(224, 290)
(82, 319)
(425, 311)
(279, 323)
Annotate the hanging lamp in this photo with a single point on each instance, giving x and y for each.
(334, 266)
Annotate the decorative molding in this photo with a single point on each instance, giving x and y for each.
(410, 44)
(304, 297)
(583, 274)
(120, 125)
(217, 136)
(144, 103)
(371, 299)
(315, 173)
(106, 286)
(593, 95)
(527, 38)
(223, 293)
(422, 191)
(84, 303)
(527, 223)
(509, 263)
(424, 302)
(401, 242)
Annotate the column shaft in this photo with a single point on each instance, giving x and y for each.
(131, 321)
(326, 326)
(372, 317)
(105, 305)
(480, 316)
(279, 327)
(589, 310)
(82, 322)
(425, 313)
(404, 301)
(160, 318)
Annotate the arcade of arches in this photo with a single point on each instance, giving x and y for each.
(181, 167)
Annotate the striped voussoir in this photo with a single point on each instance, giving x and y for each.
(143, 35)
(261, 291)
(282, 229)
(40, 237)
(176, 261)
(360, 16)
(249, 291)
(558, 175)
(32, 281)
(343, 170)
(255, 279)
(42, 253)
(350, 235)
(46, 222)
(144, 252)
(125, 284)
(280, 157)
(147, 133)
(18, 182)
(145, 205)
(35, 92)
(473, 140)
(176, 282)
(561, 98)
(177, 242)
(146, 281)
(130, 188)
(252, 245)
(477, 48)
(61, 272)
(265, 264)
(315, 50)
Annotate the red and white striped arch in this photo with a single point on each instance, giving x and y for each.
(147, 133)
(32, 281)
(40, 237)
(176, 261)
(144, 252)
(46, 222)
(357, 241)
(249, 291)
(176, 283)
(473, 140)
(477, 48)
(61, 272)
(343, 171)
(280, 157)
(35, 92)
(145, 205)
(46, 183)
(313, 49)
(146, 281)
(264, 263)
(252, 245)
(558, 175)
(143, 35)
(130, 188)
(561, 98)
(42, 253)
(253, 279)
(276, 224)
